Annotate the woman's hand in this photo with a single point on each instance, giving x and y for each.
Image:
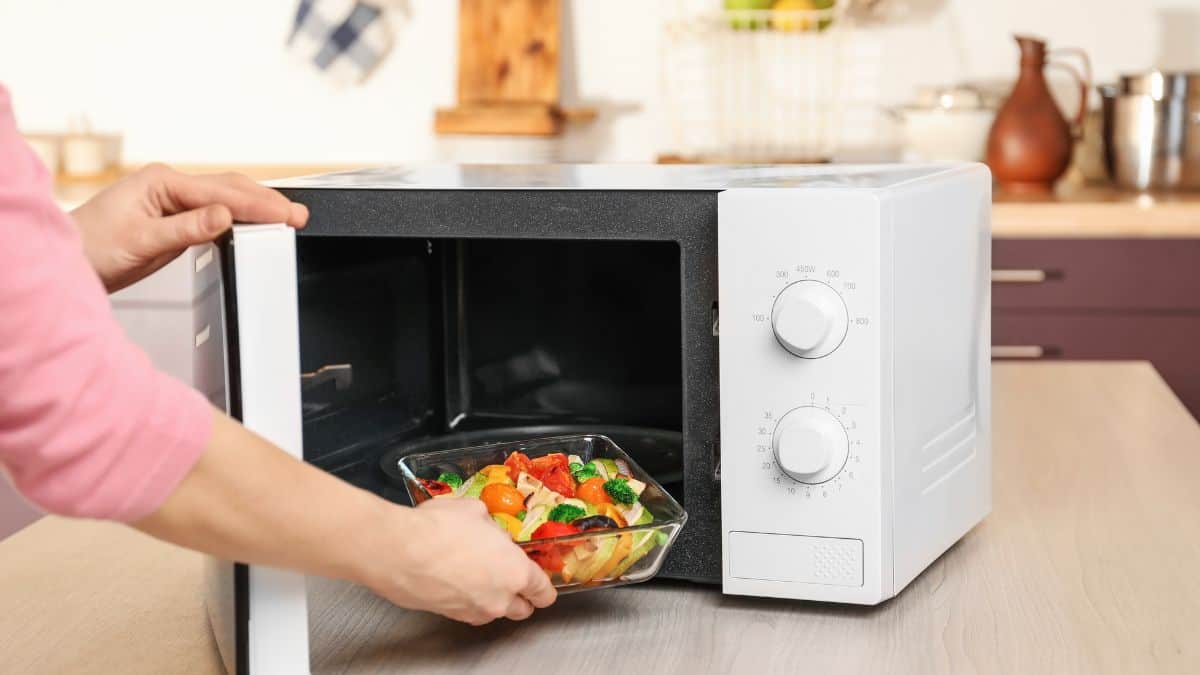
(247, 500)
(144, 221)
(457, 563)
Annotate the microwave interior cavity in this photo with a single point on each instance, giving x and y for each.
(436, 319)
(409, 340)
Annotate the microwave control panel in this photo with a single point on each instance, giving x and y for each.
(800, 361)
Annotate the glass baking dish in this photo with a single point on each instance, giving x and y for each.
(594, 559)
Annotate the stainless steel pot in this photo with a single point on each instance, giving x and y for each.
(1159, 85)
(1151, 131)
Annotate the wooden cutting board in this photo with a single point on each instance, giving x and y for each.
(508, 51)
(508, 70)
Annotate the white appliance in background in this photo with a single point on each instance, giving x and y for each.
(164, 315)
(161, 314)
(832, 353)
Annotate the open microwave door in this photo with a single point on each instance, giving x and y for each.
(259, 615)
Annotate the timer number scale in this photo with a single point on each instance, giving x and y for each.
(810, 450)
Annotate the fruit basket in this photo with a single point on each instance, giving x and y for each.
(577, 505)
(754, 80)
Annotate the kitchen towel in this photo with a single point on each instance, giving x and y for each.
(344, 39)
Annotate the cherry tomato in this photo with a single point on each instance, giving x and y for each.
(560, 480)
(435, 487)
(592, 491)
(501, 498)
(542, 465)
(551, 529)
(517, 463)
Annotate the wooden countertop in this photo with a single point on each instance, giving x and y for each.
(1088, 564)
(1071, 211)
(1096, 212)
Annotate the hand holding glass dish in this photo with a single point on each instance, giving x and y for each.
(577, 505)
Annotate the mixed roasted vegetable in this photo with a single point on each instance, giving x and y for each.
(557, 495)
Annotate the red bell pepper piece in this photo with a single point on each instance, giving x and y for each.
(435, 487)
(516, 463)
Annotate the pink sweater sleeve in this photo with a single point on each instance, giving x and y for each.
(88, 427)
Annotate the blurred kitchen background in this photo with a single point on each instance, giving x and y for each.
(100, 88)
(213, 83)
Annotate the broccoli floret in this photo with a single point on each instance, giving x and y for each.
(619, 490)
(565, 513)
(452, 479)
(582, 472)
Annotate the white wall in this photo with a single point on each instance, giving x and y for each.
(210, 82)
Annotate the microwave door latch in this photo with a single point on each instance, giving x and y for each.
(341, 374)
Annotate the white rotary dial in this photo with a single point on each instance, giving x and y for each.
(810, 445)
(809, 319)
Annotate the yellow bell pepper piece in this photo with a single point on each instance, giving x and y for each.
(509, 523)
(496, 473)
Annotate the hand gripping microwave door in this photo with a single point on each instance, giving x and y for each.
(814, 338)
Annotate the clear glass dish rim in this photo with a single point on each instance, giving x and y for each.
(411, 479)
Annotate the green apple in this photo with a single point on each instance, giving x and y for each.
(750, 23)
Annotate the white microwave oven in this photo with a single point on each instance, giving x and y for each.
(800, 355)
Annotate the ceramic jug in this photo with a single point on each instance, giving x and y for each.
(1030, 143)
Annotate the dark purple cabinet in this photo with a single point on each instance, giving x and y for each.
(1101, 299)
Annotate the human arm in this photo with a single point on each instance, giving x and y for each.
(247, 500)
(88, 427)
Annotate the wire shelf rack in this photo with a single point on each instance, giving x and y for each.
(753, 85)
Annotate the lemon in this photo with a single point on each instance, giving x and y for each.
(799, 15)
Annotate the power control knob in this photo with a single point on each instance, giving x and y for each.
(810, 445)
(809, 319)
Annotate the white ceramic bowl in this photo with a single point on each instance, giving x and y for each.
(936, 134)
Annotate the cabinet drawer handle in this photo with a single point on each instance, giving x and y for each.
(1018, 351)
(1020, 276)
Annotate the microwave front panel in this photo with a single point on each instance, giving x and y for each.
(801, 466)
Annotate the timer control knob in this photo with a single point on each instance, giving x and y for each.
(809, 319)
(810, 445)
